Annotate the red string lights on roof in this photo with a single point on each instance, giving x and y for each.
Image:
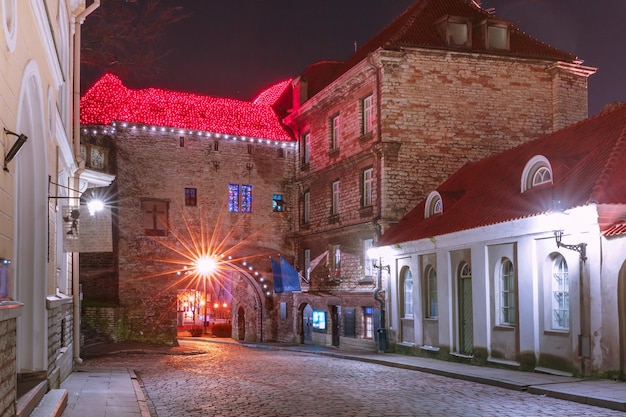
(271, 94)
(109, 101)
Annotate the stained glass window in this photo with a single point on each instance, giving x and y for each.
(246, 198)
(233, 198)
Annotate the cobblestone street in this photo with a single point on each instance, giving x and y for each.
(231, 380)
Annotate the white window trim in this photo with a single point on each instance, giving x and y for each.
(535, 163)
(368, 181)
(434, 204)
(368, 114)
(335, 198)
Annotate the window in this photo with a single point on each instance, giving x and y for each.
(190, 197)
(560, 295)
(434, 205)
(216, 145)
(508, 311)
(334, 208)
(368, 114)
(249, 149)
(306, 149)
(239, 198)
(277, 203)
(368, 264)
(155, 215)
(456, 31)
(307, 264)
(432, 306)
(181, 141)
(307, 207)
(368, 322)
(536, 172)
(367, 186)
(336, 261)
(319, 320)
(407, 293)
(334, 132)
(497, 37)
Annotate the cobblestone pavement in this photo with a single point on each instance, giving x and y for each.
(231, 380)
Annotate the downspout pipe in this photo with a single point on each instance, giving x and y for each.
(80, 163)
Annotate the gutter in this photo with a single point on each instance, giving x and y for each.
(80, 162)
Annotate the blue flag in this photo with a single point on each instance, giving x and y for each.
(286, 278)
(291, 279)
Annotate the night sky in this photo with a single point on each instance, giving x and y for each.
(236, 48)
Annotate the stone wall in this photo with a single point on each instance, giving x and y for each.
(8, 374)
(60, 340)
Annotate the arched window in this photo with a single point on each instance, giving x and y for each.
(432, 305)
(536, 172)
(560, 294)
(407, 293)
(9, 23)
(508, 310)
(434, 205)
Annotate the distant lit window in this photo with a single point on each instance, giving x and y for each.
(368, 322)
(336, 261)
(368, 264)
(307, 264)
(407, 293)
(455, 30)
(498, 37)
(277, 203)
(190, 197)
(368, 114)
(432, 305)
(239, 198)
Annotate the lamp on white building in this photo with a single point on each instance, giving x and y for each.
(21, 140)
(581, 248)
(376, 254)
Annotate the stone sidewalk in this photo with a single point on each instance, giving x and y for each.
(98, 392)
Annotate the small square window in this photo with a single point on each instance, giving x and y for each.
(497, 37)
(190, 197)
(278, 205)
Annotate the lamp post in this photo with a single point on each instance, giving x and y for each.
(381, 333)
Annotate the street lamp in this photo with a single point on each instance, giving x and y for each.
(204, 267)
(375, 253)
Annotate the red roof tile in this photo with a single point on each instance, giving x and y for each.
(109, 100)
(416, 27)
(617, 229)
(587, 161)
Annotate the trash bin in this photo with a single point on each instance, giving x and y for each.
(382, 340)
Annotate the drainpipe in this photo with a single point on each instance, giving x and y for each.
(80, 168)
(378, 141)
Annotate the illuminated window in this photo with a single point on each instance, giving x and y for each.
(432, 305)
(307, 264)
(560, 294)
(407, 293)
(334, 132)
(368, 264)
(190, 197)
(155, 217)
(277, 203)
(334, 209)
(456, 31)
(307, 207)
(508, 315)
(239, 198)
(336, 261)
(319, 320)
(367, 186)
(368, 114)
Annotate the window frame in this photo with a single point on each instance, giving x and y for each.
(191, 197)
(306, 209)
(335, 126)
(406, 286)
(431, 303)
(334, 204)
(367, 123)
(559, 287)
(306, 148)
(276, 206)
(367, 178)
(507, 293)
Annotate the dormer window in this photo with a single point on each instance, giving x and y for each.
(456, 31)
(497, 34)
(434, 205)
(536, 172)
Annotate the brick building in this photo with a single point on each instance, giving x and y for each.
(444, 84)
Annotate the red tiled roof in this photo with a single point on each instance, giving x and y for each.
(416, 27)
(617, 229)
(587, 161)
(108, 100)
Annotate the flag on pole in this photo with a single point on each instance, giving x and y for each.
(286, 278)
(316, 261)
